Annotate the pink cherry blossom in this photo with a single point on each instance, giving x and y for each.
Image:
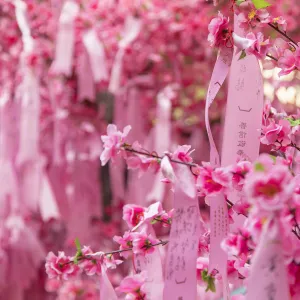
(78, 289)
(237, 243)
(239, 172)
(271, 190)
(92, 265)
(59, 266)
(288, 62)
(276, 133)
(133, 214)
(219, 32)
(250, 17)
(280, 22)
(142, 163)
(276, 50)
(125, 243)
(259, 47)
(112, 142)
(183, 153)
(212, 181)
(134, 287)
(143, 243)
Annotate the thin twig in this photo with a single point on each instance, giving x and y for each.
(282, 33)
(272, 57)
(126, 148)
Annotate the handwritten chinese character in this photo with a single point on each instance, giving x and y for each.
(241, 143)
(242, 134)
(243, 125)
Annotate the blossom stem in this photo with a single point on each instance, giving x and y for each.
(162, 221)
(272, 57)
(128, 148)
(295, 146)
(89, 257)
(282, 33)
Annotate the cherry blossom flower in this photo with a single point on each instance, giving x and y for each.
(276, 51)
(274, 132)
(250, 17)
(212, 181)
(239, 172)
(280, 22)
(271, 190)
(125, 243)
(134, 287)
(236, 244)
(78, 289)
(219, 32)
(143, 243)
(59, 266)
(183, 153)
(112, 142)
(133, 214)
(92, 265)
(258, 47)
(289, 61)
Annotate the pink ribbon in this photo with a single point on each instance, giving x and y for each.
(268, 277)
(65, 41)
(162, 138)
(162, 129)
(30, 110)
(85, 82)
(47, 201)
(218, 77)
(96, 53)
(131, 31)
(218, 206)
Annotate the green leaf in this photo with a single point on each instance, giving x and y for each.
(239, 2)
(259, 4)
(204, 274)
(79, 252)
(293, 122)
(243, 55)
(259, 167)
(78, 246)
(210, 280)
(211, 285)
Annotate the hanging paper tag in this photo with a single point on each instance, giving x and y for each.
(29, 123)
(20, 10)
(47, 201)
(268, 276)
(244, 110)
(218, 231)
(153, 265)
(96, 53)
(131, 31)
(85, 83)
(162, 127)
(65, 41)
(30, 110)
(182, 253)
(106, 289)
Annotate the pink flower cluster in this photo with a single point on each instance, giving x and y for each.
(65, 267)
(134, 287)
